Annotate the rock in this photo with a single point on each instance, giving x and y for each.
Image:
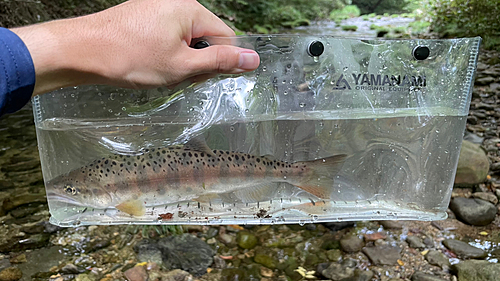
(473, 211)
(471, 136)
(383, 255)
(336, 226)
(486, 196)
(72, 269)
(351, 243)
(265, 260)
(369, 237)
(33, 229)
(13, 202)
(421, 276)
(337, 272)
(246, 240)
(32, 242)
(266, 272)
(232, 274)
(11, 274)
(4, 185)
(136, 273)
(437, 258)
(476, 270)
(226, 238)
(177, 275)
(473, 165)
(334, 254)
(464, 250)
(360, 275)
(415, 242)
(18, 259)
(186, 252)
(219, 263)
(484, 81)
(391, 224)
(494, 86)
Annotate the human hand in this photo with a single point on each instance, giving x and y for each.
(137, 44)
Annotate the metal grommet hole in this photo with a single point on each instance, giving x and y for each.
(201, 45)
(421, 52)
(315, 49)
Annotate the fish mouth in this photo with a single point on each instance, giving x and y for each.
(54, 196)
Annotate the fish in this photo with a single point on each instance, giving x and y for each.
(186, 172)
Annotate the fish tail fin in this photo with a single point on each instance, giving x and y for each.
(320, 177)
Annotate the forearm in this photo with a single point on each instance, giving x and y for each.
(62, 53)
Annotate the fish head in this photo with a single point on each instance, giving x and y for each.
(78, 191)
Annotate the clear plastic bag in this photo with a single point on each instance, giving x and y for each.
(326, 129)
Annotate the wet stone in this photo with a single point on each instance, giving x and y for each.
(32, 242)
(148, 251)
(71, 269)
(464, 250)
(231, 274)
(265, 260)
(437, 258)
(26, 210)
(415, 242)
(484, 81)
(351, 243)
(421, 276)
(177, 275)
(476, 270)
(337, 272)
(11, 274)
(360, 275)
(473, 211)
(226, 238)
(136, 273)
(486, 196)
(246, 240)
(391, 224)
(383, 255)
(336, 226)
(473, 165)
(16, 201)
(33, 229)
(4, 185)
(18, 259)
(334, 255)
(186, 252)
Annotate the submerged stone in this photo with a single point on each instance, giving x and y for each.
(473, 211)
(246, 240)
(464, 250)
(383, 254)
(473, 270)
(266, 260)
(186, 252)
(11, 274)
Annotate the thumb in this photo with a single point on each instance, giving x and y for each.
(223, 59)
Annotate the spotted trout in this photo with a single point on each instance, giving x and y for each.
(189, 172)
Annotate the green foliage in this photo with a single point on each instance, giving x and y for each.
(349, 27)
(264, 16)
(419, 27)
(385, 6)
(349, 11)
(466, 18)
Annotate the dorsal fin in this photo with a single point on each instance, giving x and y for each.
(199, 144)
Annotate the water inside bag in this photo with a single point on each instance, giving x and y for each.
(395, 122)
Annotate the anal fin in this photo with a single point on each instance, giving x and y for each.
(132, 207)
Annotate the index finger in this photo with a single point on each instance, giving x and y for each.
(208, 24)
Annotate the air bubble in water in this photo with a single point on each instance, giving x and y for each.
(124, 108)
(346, 68)
(231, 129)
(302, 104)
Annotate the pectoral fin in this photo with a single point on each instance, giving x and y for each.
(132, 207)
(255, 193)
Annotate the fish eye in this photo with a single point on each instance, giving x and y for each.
(70, 189)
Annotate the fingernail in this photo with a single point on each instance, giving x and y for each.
(249, 60)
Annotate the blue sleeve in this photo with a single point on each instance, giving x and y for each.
(17, 72)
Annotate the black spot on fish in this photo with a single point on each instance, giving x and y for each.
(114, 163)
(97, 166)
(229, 158)
(135, 164)
(106, 162)
(128, 163)
(107, 170)
(242, 158)
(227, 152)
(102, 171)
(150, 156)
(158, 153)
(190, 154)
(91, 165)
(184, 154)
(164, 160)
(138, 157)
(258, 160)
(142, 160)
(98, 161)
(147, 163)
(156, 163)
(236, 157)
(106, 175)
(168, 156)
(147, 150)
(144, 166)
(83, 172)
(121, 165)
(215, 151)
(163, 151)
(202, 154)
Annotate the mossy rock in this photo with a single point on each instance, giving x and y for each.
(349, 27)
(246, 240)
